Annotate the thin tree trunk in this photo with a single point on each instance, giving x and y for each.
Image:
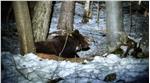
(66, 20)
(23, 24)
(114, 24)
(41, 20)
(87, 13)
(98, 13)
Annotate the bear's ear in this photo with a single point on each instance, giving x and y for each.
(76, 31)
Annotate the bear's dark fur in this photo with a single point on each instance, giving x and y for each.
(75, 43)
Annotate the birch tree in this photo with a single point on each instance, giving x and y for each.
(114, 24)
(87, 12)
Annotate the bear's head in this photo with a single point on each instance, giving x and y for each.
(83, 43)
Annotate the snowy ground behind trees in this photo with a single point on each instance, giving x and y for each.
(36, 70)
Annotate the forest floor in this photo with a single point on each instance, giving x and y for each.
(111, 68)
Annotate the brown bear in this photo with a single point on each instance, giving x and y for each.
(75, 42)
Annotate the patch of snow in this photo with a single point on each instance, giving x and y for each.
(113, 58)
(124, 48)
(38, 70)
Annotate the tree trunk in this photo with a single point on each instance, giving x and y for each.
(114, 24)
(87, 13)
(66, 19)
(98, 13)
(41, 20)
(23, 24)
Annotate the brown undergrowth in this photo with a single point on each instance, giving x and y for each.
(57, 58)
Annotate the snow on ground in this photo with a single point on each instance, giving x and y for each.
(39, 71)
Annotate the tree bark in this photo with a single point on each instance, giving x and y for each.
(66, 20)
(41, 20)
(23, 24)
(114, 24)
(87, 12)
(98, 13)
